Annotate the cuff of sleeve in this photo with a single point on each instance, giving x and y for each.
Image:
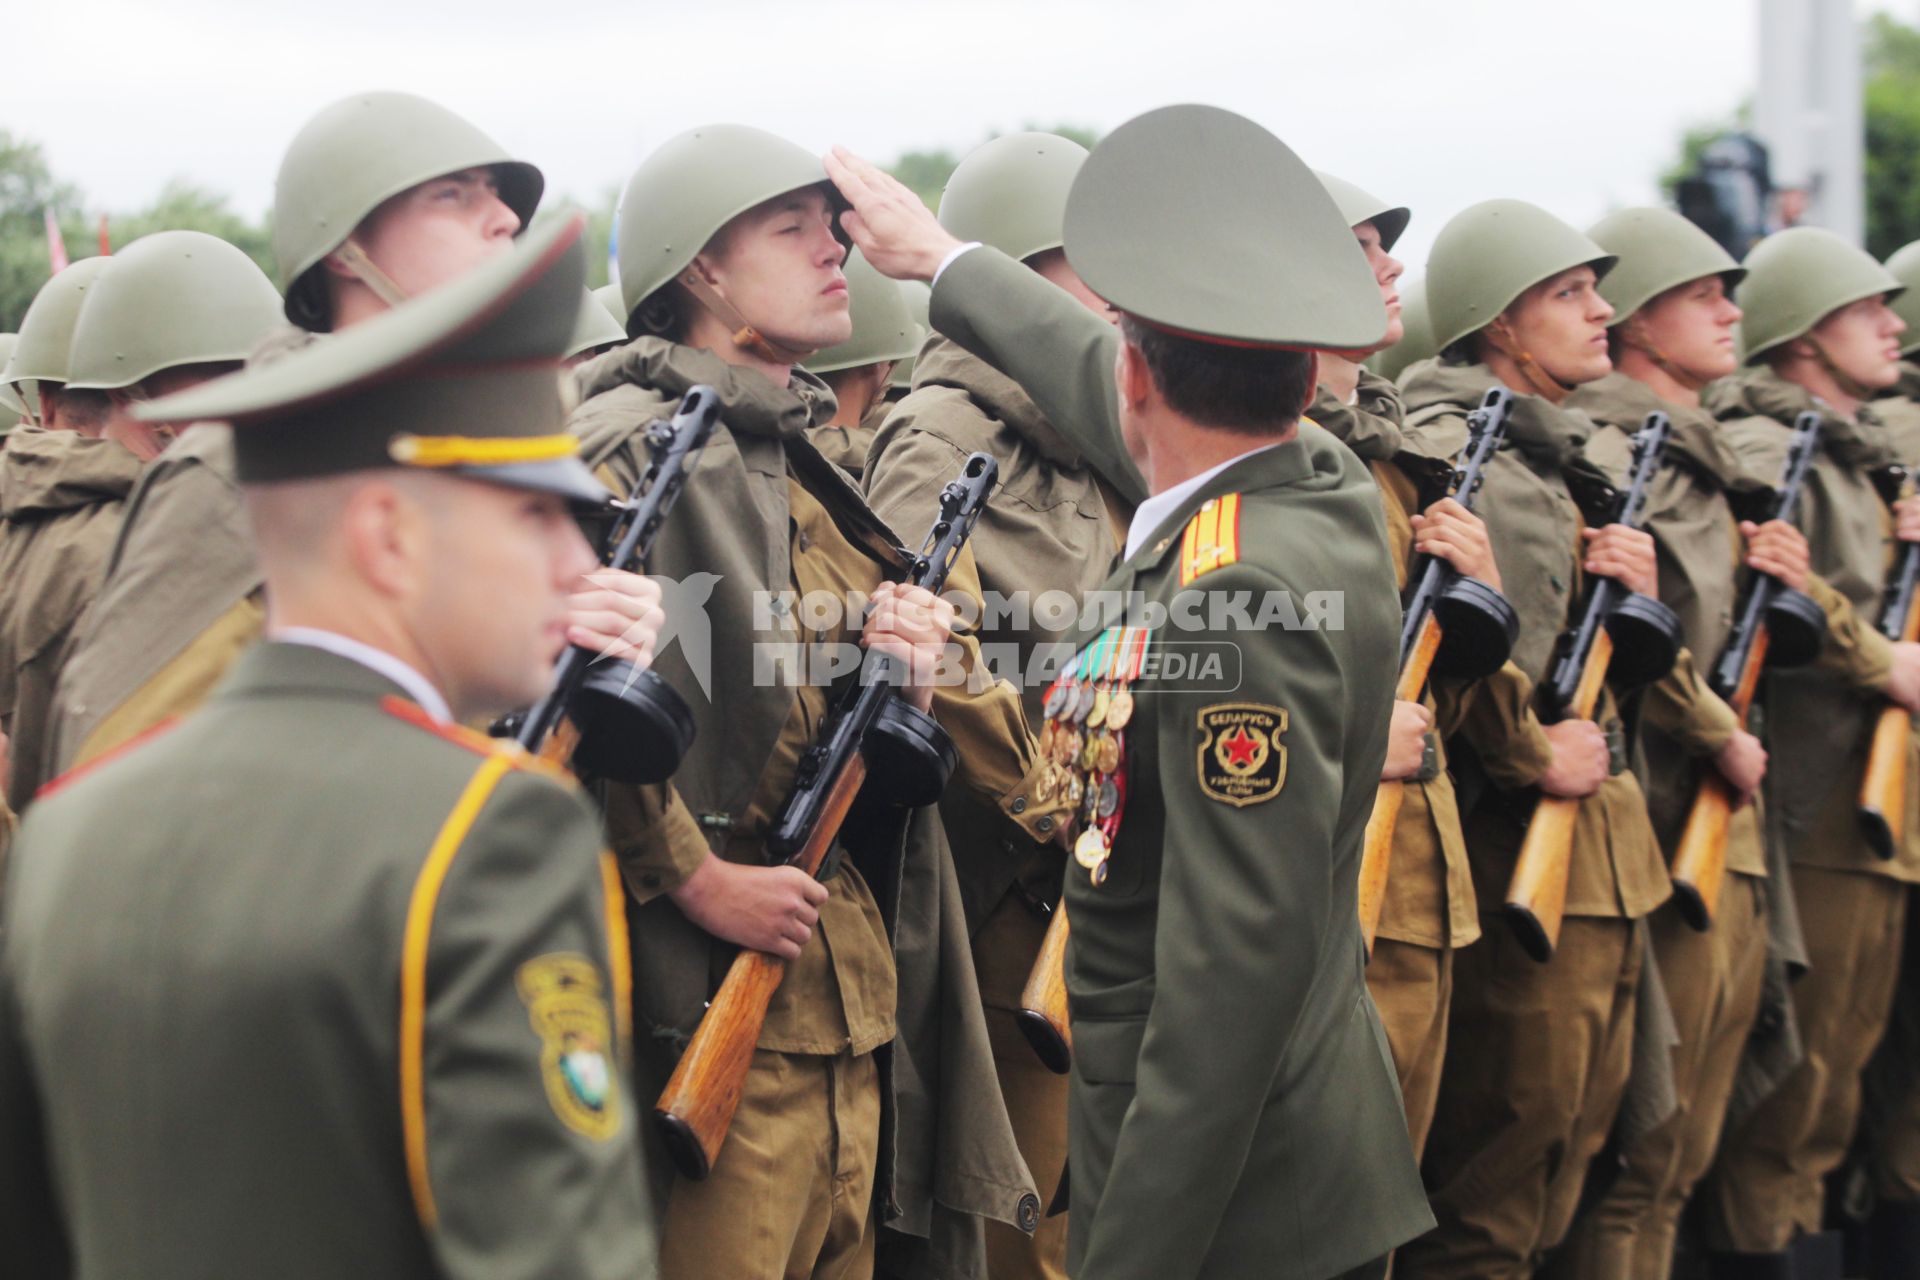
(1528, 754)
(656, 839)
(948, 261)
(1038, 803)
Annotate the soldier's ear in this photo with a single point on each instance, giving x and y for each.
(1131, 375)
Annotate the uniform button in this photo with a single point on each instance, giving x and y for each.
(1019, 804)
(1045, 825)
(805, 543)
(1557, 584)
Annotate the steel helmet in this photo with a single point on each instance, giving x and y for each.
(1358, 206)
(1658, 250)
(1489, 254)
(1798, 277)
(1905, 265)
(46, 334)
(1011, 193)
(883, 327)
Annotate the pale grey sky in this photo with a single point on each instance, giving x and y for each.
(1437, 105)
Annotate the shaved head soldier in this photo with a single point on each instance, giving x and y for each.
(380, 197)
(171, 310)
(1052, 527)
(320, 983)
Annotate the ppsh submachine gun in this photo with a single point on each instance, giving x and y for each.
(1883, 792)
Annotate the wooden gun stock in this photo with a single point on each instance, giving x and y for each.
(696, 1108)
(1376, 852)
(1700, 863)
(1043, 1001)
(1537, 895)
(1883, 792)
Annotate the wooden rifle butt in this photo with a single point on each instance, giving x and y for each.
(696, 1108)
(1376, 857)
(1700, 863)
(1883, 791)
(1043, 1017)
(1537, 895)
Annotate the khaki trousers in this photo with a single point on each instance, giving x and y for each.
(1412, 987)
(791, 1194)
(1767, 1185)
(1714, 982)
(1536, 1064)
(1003, 952)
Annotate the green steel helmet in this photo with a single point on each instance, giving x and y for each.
(1416, 337)
(608, 296)
(12, 407)
(1199, 221)
(1491, 253)
(883, 327)
(693, 185)
(1798, 277)
(358, 153)
(919, 299)
(1905, 265)
(1011, 193)
(596, 326)
(1358, 206)
(1658, 250)
(169, 299)
(46, 334)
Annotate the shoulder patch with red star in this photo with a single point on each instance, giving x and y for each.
(1212, 538)
(1241, 759)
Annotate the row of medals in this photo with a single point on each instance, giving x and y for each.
(1084, 736)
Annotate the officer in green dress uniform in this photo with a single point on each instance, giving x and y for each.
(1234, 1108)
(318, 983)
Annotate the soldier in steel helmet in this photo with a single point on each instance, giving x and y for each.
(1226, 1058)
(36, 368)
(1427, 911)
(1512, 296)
(1818, 334)
(859, 370)
(1051, 528)
(171, 310)
(731, 275)
(380, 196)
(318, 983)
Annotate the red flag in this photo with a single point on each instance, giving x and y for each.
(106, 245)
(56, 247)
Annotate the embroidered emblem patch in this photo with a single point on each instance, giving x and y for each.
(567, 1006)
(1241, 760)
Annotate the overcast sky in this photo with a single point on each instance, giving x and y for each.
(1438, 105)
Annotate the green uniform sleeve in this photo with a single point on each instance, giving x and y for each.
(655, 836)
(1681, 706)
(35, 1241)
(532, 1156)
(1497, 718)
(1236, 908)
(1061, 353)
(1854, 651)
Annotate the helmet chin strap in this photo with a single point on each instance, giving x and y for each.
(1543, 384)
(745, 336)
(1844, 380)
(1635, 336)
(368, 272)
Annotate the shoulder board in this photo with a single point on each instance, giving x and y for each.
(471, 739)
(1212, 539)
(138, 740)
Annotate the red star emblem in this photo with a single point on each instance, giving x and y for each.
(1239, 748)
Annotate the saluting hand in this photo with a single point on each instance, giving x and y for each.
(1406, 741)
(617, 613)
(1778, 548)
(1623, 554)
(892, 227)
(1459, 537)
(914, 625)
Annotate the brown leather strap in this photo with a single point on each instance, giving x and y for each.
(1846, 382)
(1635, 335)
(1543, 384)
(356, 261)
(745, 336)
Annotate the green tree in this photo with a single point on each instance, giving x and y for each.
(27, 190)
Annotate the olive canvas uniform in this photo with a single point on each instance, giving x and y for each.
(1852, 904)
(1539, 1053)
(458, 931)
(764, 520)
(847, 447)
(1429, 909)
(1214, 1131)
(1713, 980)
(1051, 526)
(61, 495)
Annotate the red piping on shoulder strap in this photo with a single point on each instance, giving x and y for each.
(140, 739)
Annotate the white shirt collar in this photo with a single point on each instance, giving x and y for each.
(416, 686)
(1152, 513)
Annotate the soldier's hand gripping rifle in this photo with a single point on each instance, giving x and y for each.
(1883, 792)
(611, 719)
(869, 734)
(1622, 635)
(1775, 626)
(1453, 626)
